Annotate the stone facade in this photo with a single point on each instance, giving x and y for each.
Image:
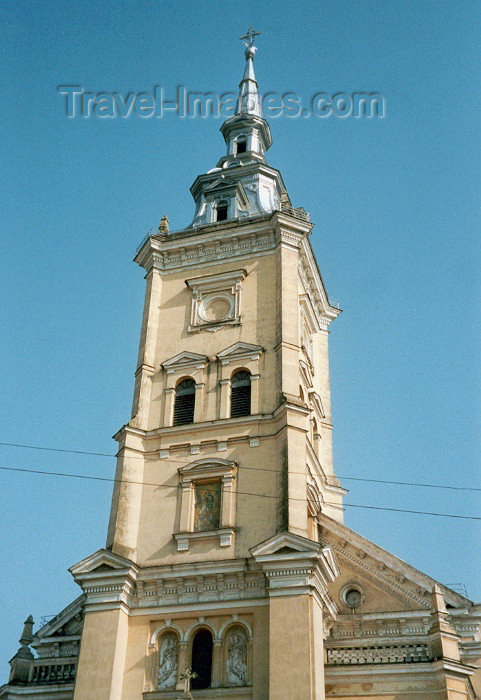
(226, 550)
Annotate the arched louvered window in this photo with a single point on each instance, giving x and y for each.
(240, 398)
(202, 659)
(222, 209)
(184, 402)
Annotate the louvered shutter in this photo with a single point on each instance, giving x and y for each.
(184, 402)
(240, 403)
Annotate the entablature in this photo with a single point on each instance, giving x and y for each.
(216, 243)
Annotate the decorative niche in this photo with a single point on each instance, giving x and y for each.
(207, 502)
(216, 300)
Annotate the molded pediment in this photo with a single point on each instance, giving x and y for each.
(68, 622)
(387, 582)
(287, 550)
(183, 359)
(239, 349)
(285, 543)
(207, 467)
(102, 560)
(306, 373)
(226, 186)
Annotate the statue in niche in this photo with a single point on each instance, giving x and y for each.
(207, 506)
(237, 658)
(168, 666)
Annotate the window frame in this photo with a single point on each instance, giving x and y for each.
(205, 290)
(205, 471)
(240, 356)
(235, 373)
(241, 140)
(185, 365)
(177, 403)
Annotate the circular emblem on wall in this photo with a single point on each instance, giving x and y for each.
(216, 307)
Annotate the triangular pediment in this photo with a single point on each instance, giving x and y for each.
(68, 622)
(183, 359)
(388, 583)
(286, 550)
(239, 349)
(285, 543)
(228, 186)
(101, 561)
(220, 185)
(306, 373)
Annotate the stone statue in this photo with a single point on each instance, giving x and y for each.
(237, 659)
(168, 662)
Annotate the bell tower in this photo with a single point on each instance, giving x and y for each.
(228, 572)
(213, 557)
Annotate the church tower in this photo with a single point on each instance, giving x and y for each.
(227, 459)
(228, 572)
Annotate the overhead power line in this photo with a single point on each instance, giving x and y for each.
(244, 493)
(262, 469)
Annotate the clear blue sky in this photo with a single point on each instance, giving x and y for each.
(396, 205)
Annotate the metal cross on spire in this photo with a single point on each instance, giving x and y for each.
(250, 35)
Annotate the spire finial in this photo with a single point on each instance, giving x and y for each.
(250, 36)
(248, 97)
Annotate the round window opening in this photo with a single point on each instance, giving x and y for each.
(352, 597)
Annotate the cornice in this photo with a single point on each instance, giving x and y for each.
(294, 565)
(106, 579)
(215, 244)
(235, 239)
(233, 176)
(397, 574)
(315, 288)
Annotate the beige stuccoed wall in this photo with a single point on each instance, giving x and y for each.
(296, 661)
(259, 299)
(136, 662)
(270, 482)
(270, 314)
(102, 656)
(143, 519)
(323, 387)
(257, 518)
(476, 678)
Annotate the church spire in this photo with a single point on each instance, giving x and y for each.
(242, 184)
(246, 133)
(248, 102)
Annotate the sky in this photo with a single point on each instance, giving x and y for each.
(395, 202)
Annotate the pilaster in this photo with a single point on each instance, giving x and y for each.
(297, 572)
(108, 582)
(147, 349)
